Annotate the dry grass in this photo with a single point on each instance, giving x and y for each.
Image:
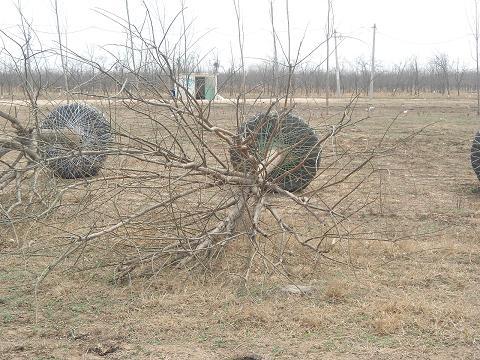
(416, 298)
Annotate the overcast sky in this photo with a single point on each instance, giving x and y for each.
(405, 28)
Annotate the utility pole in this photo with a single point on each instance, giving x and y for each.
(372, 69)
(337, 69)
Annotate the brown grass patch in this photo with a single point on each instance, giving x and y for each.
(414, 298)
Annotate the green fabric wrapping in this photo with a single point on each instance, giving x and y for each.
(267, 132)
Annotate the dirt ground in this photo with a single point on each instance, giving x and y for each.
(415, 298)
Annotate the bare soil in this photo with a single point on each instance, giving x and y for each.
(414, 298)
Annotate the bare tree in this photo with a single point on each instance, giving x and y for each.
(415, 76)
(459, 76)
(399, 70)
(441, 66)
(361, 69)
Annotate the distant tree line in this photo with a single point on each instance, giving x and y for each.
(440, 75)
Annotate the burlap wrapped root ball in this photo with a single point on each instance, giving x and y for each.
(65, 157)
(286, 134)
(475, 154)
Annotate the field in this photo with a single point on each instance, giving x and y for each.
(416, 296)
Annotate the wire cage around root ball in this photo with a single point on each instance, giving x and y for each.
(475, 154)
(285, 136)
(75, 131)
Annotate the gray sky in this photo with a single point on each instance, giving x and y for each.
(405, 27)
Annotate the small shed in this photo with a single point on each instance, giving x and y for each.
(201, 85)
